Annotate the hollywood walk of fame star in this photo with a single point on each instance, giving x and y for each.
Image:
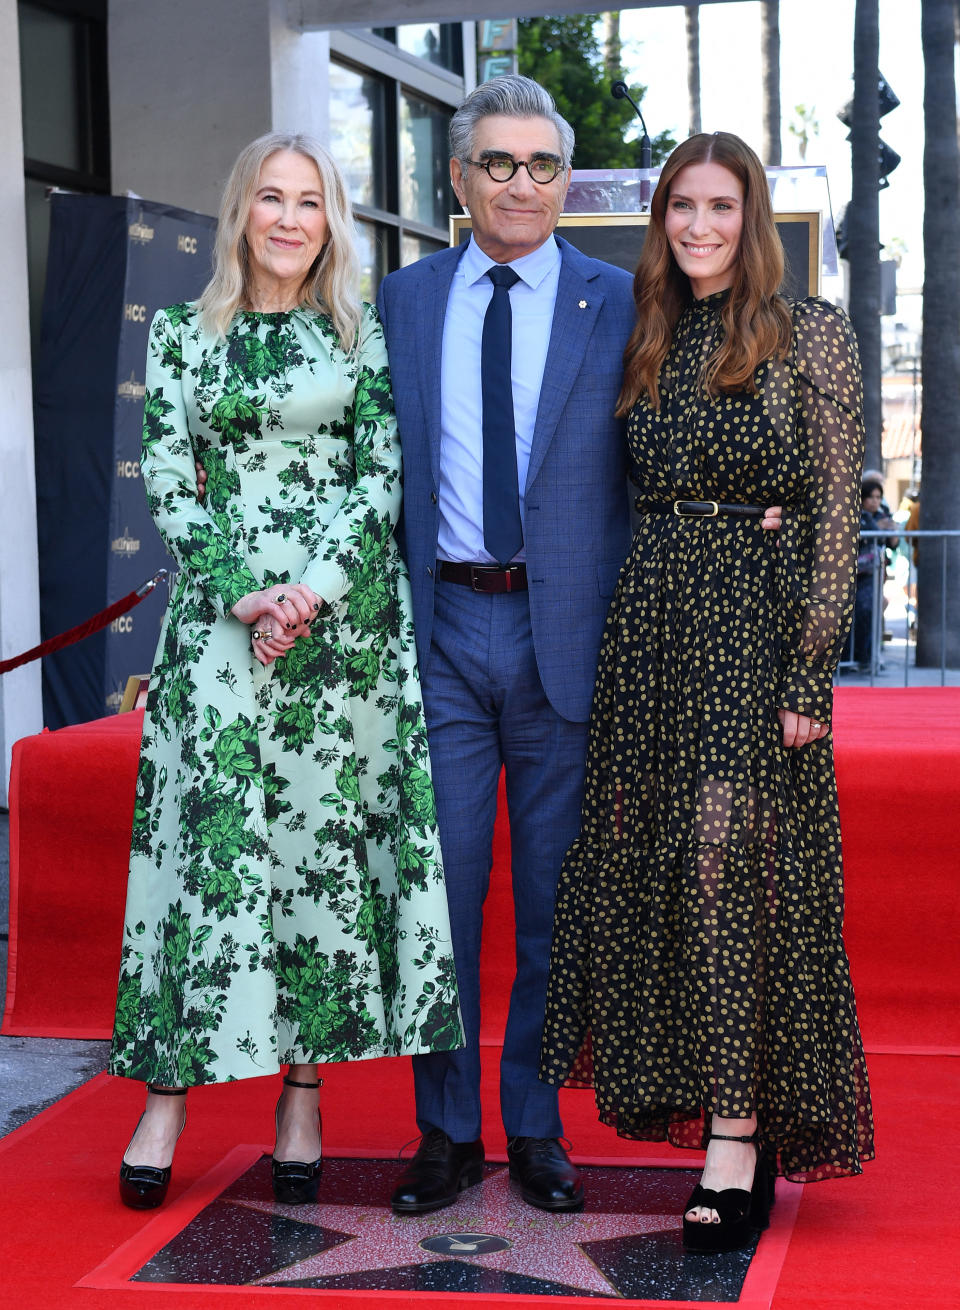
(542, 1245)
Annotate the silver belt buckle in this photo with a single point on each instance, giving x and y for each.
(476, 573)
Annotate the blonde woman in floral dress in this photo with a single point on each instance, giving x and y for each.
(286, 903)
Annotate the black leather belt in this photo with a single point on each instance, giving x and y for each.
(490, 579)
(699, 509)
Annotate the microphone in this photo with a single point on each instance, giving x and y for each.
(619, 91)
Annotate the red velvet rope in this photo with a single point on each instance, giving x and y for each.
(84, 629)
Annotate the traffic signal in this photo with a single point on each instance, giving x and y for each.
(887, 99)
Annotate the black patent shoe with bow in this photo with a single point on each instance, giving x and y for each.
(144, 1186)
(741, 1214)
(296, 1182)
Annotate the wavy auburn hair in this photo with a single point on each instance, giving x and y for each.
(756, 318)
(332, 284)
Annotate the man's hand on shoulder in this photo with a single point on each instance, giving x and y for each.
(202, 482)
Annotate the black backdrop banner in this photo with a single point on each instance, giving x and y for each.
(113, 263)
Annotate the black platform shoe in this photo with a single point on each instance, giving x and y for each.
(144, 1186)
(294, 1181)
(742, 1214)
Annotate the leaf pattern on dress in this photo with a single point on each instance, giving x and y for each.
(286, 901)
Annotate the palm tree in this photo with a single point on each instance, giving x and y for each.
(612, 45)
(940, 353)
(863, 216)
(805, 125)
(692, 15)
(770, 68)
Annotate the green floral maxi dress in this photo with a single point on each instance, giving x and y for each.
(698, 933)
(286, 901)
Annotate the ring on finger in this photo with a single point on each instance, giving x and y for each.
(281, 598)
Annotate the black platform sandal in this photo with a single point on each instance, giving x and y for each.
(294, 1182)
(144, 1186)
(741, 1213)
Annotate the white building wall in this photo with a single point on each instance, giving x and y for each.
(191, 84)
(299, 85)
(20, 707)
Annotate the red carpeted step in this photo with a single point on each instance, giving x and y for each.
(71, 799)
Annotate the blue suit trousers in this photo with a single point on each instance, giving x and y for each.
(486, 708)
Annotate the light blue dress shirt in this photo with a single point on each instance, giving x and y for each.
(532, 302)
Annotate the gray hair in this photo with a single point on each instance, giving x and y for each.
(512, 96)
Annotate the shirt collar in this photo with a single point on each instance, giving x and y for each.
(531, 269)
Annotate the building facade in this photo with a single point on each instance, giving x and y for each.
(102, 96)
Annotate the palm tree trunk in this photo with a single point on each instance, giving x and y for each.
(770, 66)
(863, 217)
(612, 45)
(940, 354)
(692, 15)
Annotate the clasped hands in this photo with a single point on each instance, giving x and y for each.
(278, 616)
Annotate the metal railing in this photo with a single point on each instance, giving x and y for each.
(900, 570)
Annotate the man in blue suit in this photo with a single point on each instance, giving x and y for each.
(507, 646)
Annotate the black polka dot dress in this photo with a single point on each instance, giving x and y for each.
(698, 963)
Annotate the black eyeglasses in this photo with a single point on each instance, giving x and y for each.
(501, 168)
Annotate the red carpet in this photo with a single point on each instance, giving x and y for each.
(886, 1240)
(898, 773)
(898, 766)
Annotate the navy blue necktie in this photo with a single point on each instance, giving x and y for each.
(502, 533)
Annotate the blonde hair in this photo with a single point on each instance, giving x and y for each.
(332, 284)
(756, 319)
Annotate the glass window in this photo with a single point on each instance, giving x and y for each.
(425, 191)
(66, 141)
(413, 248)
(51, 81)
(357, 133)
(374, 257)
(38, 238)
(439, 43)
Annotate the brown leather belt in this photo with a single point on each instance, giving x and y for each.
(699, 509)
(489, 579)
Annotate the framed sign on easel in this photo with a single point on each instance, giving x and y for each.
(618, 239)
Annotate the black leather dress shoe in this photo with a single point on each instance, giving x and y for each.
(547, 1178)
(437, 1174)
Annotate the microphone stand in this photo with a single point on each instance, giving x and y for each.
(620, 91)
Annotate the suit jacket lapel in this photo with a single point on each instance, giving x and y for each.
(579, 299)
(436, 289)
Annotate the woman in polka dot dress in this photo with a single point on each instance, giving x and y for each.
(698, 978)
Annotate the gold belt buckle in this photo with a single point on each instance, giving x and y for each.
(696, 514)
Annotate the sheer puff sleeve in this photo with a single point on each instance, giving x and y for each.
(830, 418)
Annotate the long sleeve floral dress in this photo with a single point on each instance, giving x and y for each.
(286, 901)
(698, 963)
